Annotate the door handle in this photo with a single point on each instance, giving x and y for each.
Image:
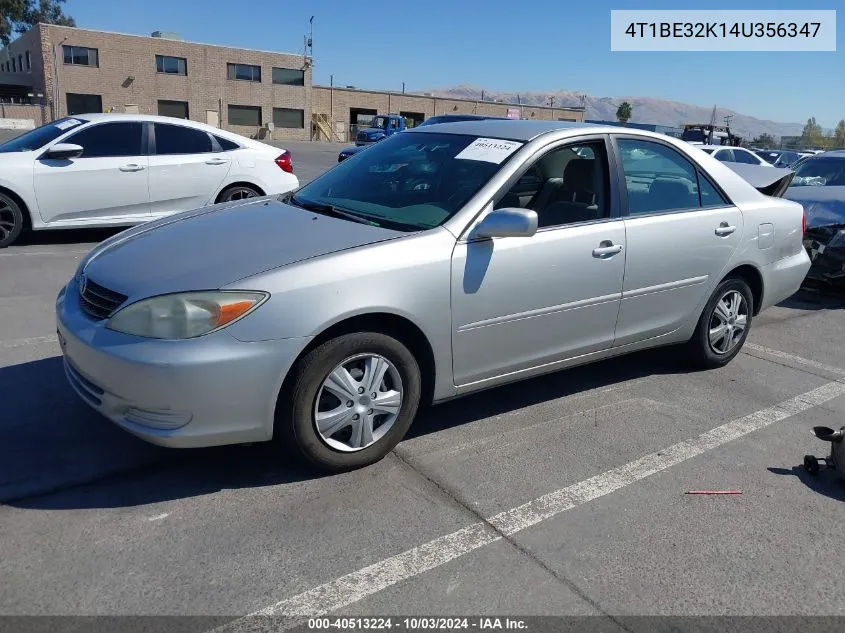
(132, 167)
(725, 229)
(607, 248)
(216, 161)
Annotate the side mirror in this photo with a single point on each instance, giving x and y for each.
(514, 222)
(64, 150)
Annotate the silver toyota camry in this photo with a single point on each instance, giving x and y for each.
(441, 261)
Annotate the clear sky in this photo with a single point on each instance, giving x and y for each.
(504, 45)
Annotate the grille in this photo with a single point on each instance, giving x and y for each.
(99, 302)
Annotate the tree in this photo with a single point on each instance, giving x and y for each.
(812, 134)
(18, 16)
(839, 134)
(764, 140)
(623, 113)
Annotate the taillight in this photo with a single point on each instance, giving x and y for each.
(284, 161)
(804, 222)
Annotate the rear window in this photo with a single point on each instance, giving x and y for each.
(40, 136)
(820, 172)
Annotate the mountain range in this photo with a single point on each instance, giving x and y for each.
(644, 109)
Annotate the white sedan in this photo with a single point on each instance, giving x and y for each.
(97, 170)
(730, 154)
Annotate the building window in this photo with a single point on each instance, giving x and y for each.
(171, 65)
(28, 62)
(176, 109)
(83, 104)
(245, 115)
(81, 56)
(289, 117)
(244, 72)
(288, 77)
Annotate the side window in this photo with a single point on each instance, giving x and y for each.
(177, 139)
(710, 196)
(726, 156)
(566, 185)
(225, 144)
(109, 139)
(657, 177)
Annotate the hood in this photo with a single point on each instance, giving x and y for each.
(215, 246)
(824, 206)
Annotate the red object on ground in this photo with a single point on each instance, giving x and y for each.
(714, 492)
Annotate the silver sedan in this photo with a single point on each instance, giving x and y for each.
(441, 261)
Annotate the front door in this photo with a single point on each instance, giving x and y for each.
(107, 182)
(681, 234)
(186, 169)
(519, 303)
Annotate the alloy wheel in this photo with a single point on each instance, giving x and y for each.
(7, 220)
(240, 193)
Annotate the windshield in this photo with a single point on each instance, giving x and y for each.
(379, 122)
(820, 172)
(411, 181)
(40, 136)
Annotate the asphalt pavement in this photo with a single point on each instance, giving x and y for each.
(562, 495)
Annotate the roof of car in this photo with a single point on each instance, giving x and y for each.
(513, 129)
(720, 147)
(834, 153)
(122, 116)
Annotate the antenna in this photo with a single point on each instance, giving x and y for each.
(309, 43)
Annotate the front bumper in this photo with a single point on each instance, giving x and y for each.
(206, 391)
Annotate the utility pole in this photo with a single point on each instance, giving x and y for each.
(403, 87)
(552, 101)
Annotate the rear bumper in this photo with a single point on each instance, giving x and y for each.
(783, 278)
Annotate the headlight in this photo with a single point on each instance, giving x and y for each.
(185, 315)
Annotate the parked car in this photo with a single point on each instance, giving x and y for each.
(381, 127)
(440, 118)
(768, 155)
(442, 261)
(787, 159)
(96, 170)
(733, 155)
(819, 185)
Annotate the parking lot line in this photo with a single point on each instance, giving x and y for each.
(775, 353)
(364, 582)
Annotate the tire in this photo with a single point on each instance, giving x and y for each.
(707, 355)
(11, 220)
(307, 398)
(239, 192)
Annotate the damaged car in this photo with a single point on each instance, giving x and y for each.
(819, 185)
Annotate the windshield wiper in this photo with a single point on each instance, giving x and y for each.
(328, 209)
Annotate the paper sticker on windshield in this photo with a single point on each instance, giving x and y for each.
(491, 150)
(64, 125)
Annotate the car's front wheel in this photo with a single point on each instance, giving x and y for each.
(724, 325)
(11, 220)
(350, 401)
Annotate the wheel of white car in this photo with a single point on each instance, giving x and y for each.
(723, 326)
(11, 220)
(350, 401)
(239, 192)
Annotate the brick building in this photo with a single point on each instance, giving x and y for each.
(77, 70)
(347, 108)
(53, 71)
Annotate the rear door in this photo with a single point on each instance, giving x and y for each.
(681, 233)
(107, 182)
(187, 167)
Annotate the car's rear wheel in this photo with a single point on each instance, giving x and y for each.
(11, 220)
(723, 326)
(350, 401)
(239, 192)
